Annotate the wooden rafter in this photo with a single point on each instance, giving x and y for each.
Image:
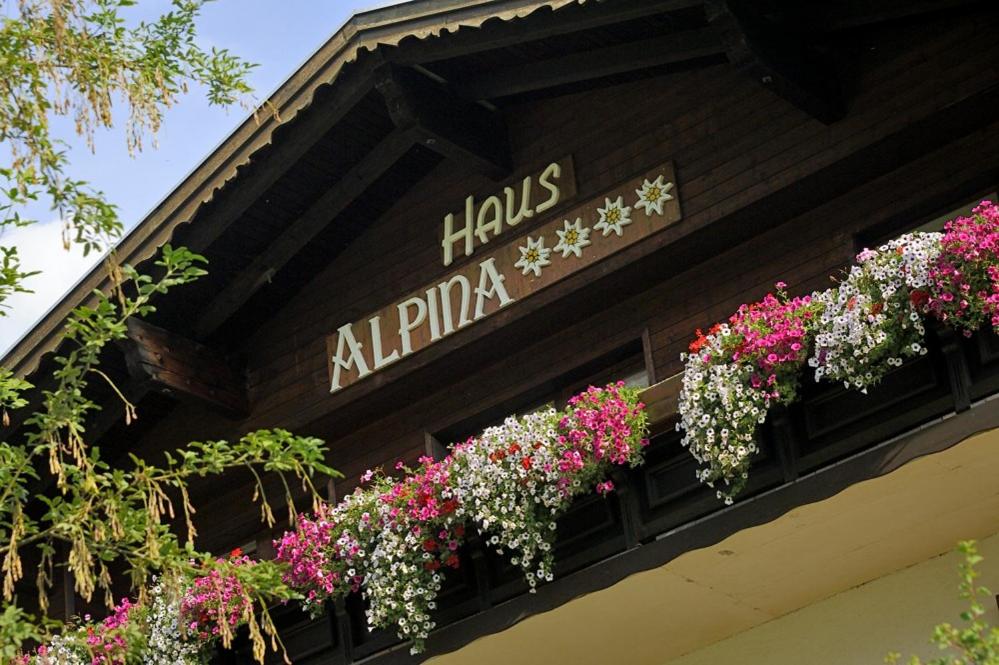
(500, 34)
(297, 140)
(779, 57)
(166, 362)
(594, 64)
(450, 126)
(239, 289)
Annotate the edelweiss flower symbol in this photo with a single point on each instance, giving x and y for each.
(653, 195)
(534, 256)
(573, 238)
(614, 216)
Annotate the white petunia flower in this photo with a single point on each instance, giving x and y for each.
(870, 322)
(166, 644)
(506, 495)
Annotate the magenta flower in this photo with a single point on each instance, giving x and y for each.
(217, 599)
(964, 282)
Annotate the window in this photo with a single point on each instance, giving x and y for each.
(626, 363)
(881, 234)
(937, 223)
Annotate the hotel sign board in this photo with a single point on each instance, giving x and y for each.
(505, 265)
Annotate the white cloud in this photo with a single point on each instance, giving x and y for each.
(40, 248)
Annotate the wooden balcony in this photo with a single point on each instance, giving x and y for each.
(830, 440)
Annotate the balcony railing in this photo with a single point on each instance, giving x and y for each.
(827, 441)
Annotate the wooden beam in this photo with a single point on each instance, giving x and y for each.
(290, 144)
(166, 362)
(466, 132)
(113, 410)
(312, 221)
(594, 64)
(540, 25)
(779, 57)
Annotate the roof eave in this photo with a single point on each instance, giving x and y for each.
(365, 31)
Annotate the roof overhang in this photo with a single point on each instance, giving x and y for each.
(868, 530)
(363, 32)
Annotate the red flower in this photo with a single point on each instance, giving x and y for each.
(429, 544)
(459, 531)
(236, 553)
(453, 561)
(514, 448)
(432, 565)
(526, 462)
(919, 298)
(876, 308)
(698, 342)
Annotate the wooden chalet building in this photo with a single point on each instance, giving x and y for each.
(364, 288)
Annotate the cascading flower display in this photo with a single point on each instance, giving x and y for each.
(964, 281)
(148, 633)
(168, 643)
(395, 539)
(420, 533)
(108, 640)
(217, 602)
(516, 479)
(734, 374)
(605, 427)
(328, 553)
(510, 482)
(872, 322)
(869, 323)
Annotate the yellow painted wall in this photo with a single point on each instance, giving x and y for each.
(839, 581)
(859, 626)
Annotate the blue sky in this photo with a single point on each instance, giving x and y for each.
(277, 34)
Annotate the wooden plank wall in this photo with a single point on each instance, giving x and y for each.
(733, 143)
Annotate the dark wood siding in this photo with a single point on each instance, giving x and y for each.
(767, 193)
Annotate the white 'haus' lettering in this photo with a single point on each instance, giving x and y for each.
(494, 212)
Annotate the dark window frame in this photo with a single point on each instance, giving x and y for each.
(959, 203)
(628, 361)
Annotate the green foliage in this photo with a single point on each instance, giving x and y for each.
(62, 504)
(108, 517)
(11, 390)
(976, 643)
(77, 58)
(17, 628)
(11, 277)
